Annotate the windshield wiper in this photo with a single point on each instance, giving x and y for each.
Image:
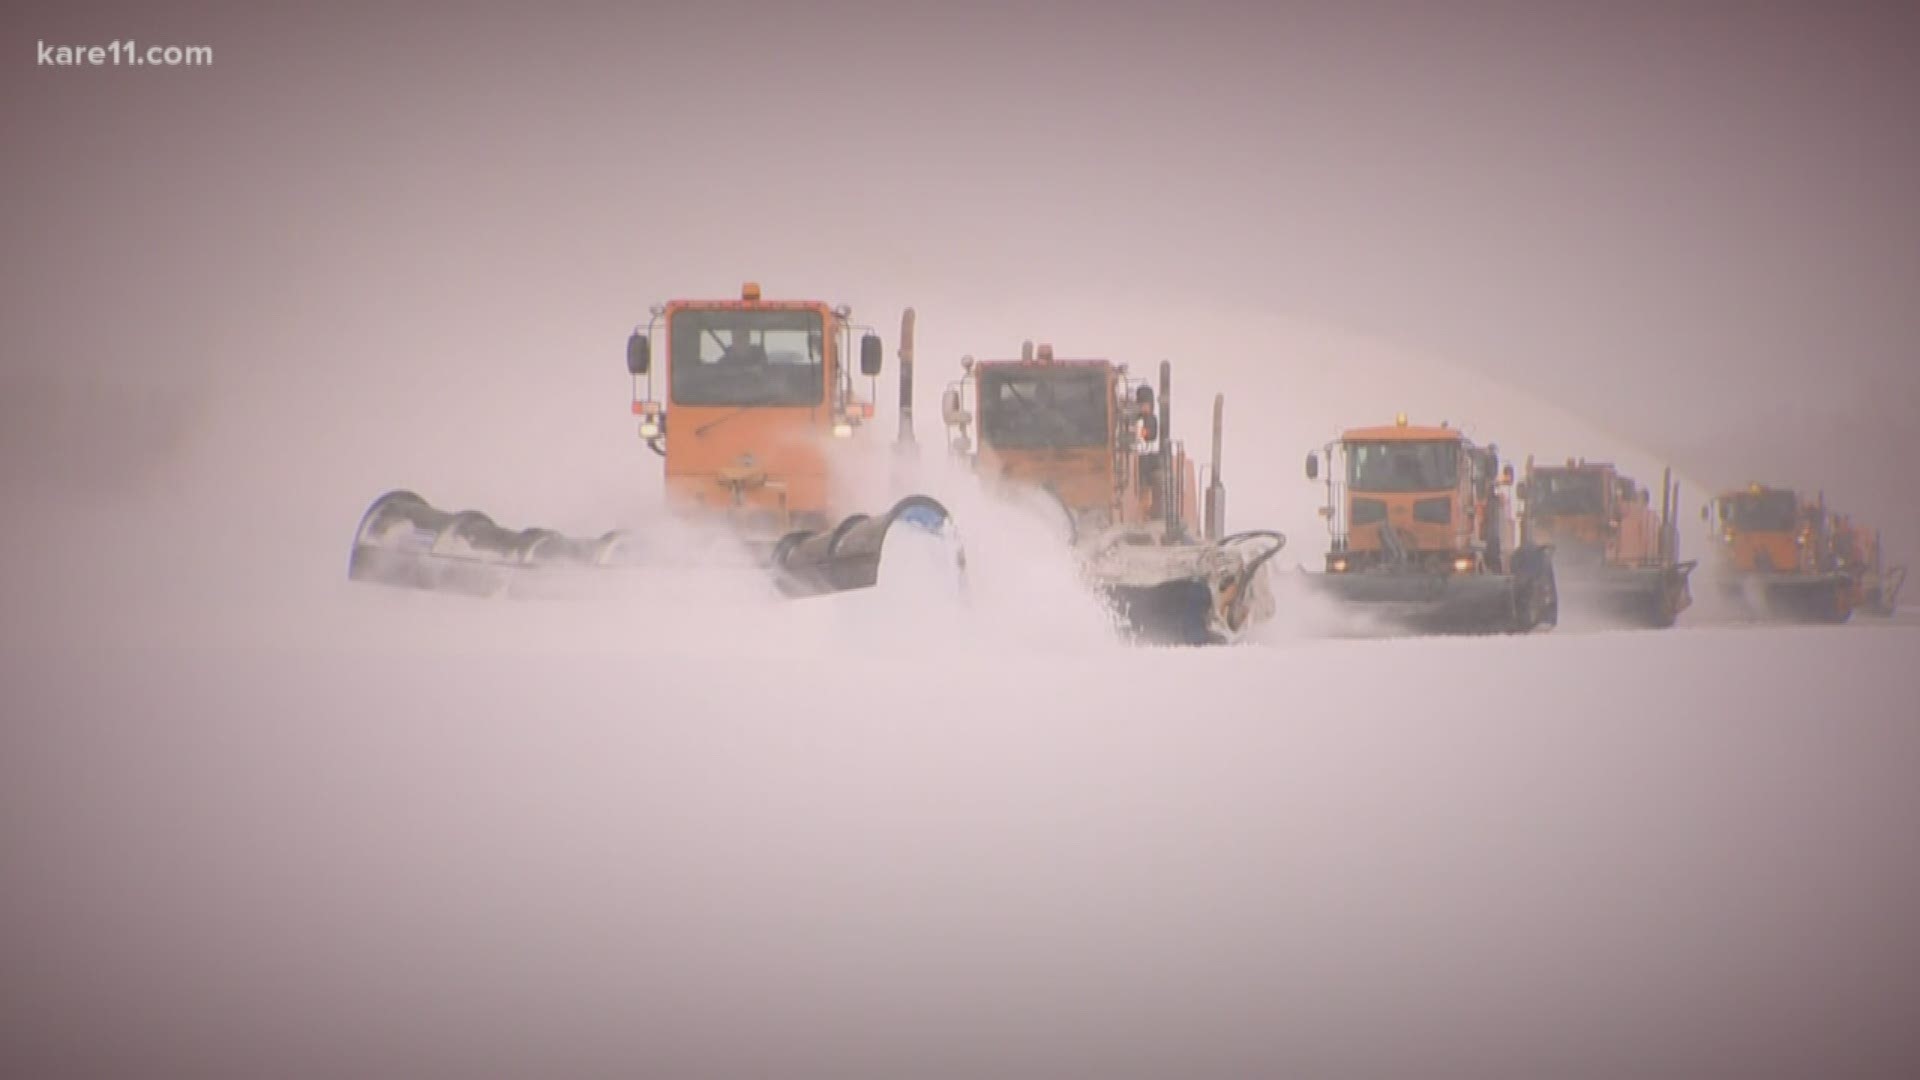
(718, 420)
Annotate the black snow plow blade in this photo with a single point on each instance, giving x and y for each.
(404, 542)
(1810, 597)
(1187, 594)
(1170, 613)
(1432, 603)
(1652, 596)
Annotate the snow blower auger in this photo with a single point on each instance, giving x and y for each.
(403, 541)
(762, 403)
(1087, 437)
(1612, 554)
(1422, 536)
(1782, 556)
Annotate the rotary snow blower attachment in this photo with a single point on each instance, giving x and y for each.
(1098, 445)
(1784, 556)
(1613, 555)
(1422, 536)
(763, 405)
(402, 541)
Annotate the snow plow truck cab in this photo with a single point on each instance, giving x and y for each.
(1422, 534)
(746, 410)
(1611, 550)
(1775, 552)
(1097, 447)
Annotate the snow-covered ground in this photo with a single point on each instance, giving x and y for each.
(254, 818)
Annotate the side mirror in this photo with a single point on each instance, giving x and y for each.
(870, 355)
(1313, 466)
(639, 354)
(950, 410)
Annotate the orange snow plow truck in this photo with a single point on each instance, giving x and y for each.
(1611, 552)
(758, 395)
(1423, 536)
(1097, 447)
(1781, 555)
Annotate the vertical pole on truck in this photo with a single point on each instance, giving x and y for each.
(1170, 484)
(1673, 538)
(1526, 505)
(1820, 536)
(1666, 552)
(1216, 515)
(906, 377)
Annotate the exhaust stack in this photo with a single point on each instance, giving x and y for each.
(1673, 533)
(1170, 484)
(1216, 514)
(1520, 497)
(906, 378)
(1667, 546)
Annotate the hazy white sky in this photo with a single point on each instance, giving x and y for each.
(1694, 225)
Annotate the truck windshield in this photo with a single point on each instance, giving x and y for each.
(1031, 408)
(1403, 465)
(1769, 511)
(746, 358)
(1558, 492)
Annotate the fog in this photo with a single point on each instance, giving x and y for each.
(255, 819)
(1693, 228)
